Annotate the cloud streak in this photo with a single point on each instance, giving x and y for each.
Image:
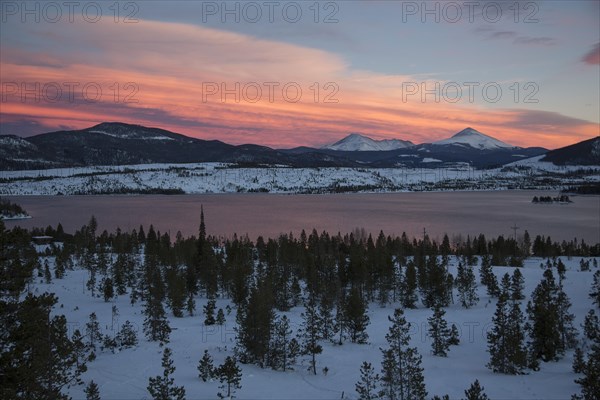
(492, 34)
(593, 56)
(171, 64)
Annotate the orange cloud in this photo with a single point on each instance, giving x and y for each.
(173, 76)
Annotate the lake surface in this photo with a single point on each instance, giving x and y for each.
(466, 213)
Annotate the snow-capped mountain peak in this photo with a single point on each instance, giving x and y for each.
(357, 142)
(473, 138)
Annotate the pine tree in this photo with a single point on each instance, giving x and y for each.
(449, 293)
(355, 317)
(367, 386)
(526, 244)
(60, 264)
(467, 286)
(475, 392)
(436, 286)
(283, 347)
(108, 343)
(591, 326)
(47, 274)
(445, 249)
(310, 334)
(568, 333)
(190, 304)
(506, 340)
(515, 341)
(584, 265)
(127, 336)
(296, 291)
(230, 377)
(80, 350)
(326, 316)
(156, 326)
(595, 290)
(402, 374)
(206, 262)
(543, 317)
(163, 387)
(119, 272)
(220, 317)
(206, 368)
(454, 339)
(487, 277)
(578, 361)
(41, 359)
(409, 287)
(439, 332)
(505, 286)
(388, 380)
(176, 290)
(340, 319)
(561, 268)
(92, 330)
(92, 392)
(209, 312)
(107, 289)
(91, 283)
(114, 316)
(590, 381)
(255, 323)
(517, 285)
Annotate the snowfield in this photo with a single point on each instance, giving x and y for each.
(14, 217)
(472, 138)
(226, 178)
(356, 142)
(124, 375)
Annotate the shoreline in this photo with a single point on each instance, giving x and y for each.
(282, 194)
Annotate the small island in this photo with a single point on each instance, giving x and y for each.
(10, 210)
(563, 199)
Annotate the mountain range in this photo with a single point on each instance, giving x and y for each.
(468, 137)
(114, 143)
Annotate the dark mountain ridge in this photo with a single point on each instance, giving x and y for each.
(582, 153)
(114, 143)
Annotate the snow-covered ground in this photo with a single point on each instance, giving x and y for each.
(125, 375)
(356, 142)
(14, 217)
(224, 178)
(472, 138)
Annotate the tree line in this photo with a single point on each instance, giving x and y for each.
(334, 278)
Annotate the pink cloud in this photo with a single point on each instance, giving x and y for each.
(170, 62)
(593, 56)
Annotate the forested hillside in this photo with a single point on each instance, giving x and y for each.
(288, 304)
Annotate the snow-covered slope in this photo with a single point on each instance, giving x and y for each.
(471, 137)
(230, 178)
(124, 374)
(131, 135)
(356, 142)
(127, 131)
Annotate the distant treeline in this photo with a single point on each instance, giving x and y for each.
(10, 209)
(128, 190)
(583, 189)
(549, 199)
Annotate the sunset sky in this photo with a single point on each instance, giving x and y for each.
(370, 60)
